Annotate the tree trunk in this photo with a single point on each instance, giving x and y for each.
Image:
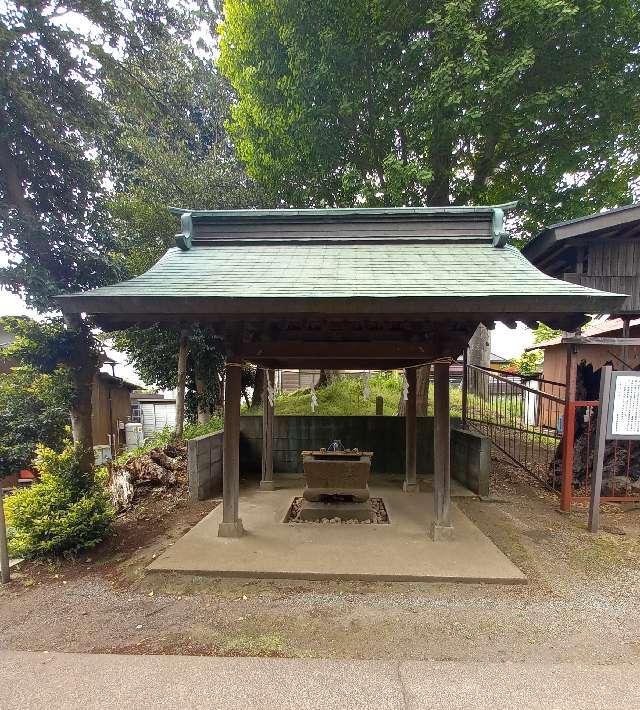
(402, 404)
(327, 377)
(480, 355)
(423, 375)
(82, 368)
(182, 378)
(204, 411)
(258, 386)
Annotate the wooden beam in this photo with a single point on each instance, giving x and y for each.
(346, 350)
(410, 483)
(441, 528)
(231, 525)
(573, 340)
(362, 363)
(266, 482)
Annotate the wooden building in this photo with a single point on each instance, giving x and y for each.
(595, 355)
(342, 289)
(601, 251)
(111, 410)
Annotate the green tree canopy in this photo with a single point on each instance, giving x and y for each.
(35, 390)
(34, 409)
(167, 144)
(54, 225)
(50, 192)
(401, 102)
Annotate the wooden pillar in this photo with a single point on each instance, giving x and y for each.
(266, 483)
(410, 483)
(441, 528)
(182, 378)
(231, 525)
(465, 390)
(379, 406)
(626, 333)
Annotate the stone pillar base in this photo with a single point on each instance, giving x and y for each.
(234, 529)
(267, 486)
(410, 487)
(441, 532)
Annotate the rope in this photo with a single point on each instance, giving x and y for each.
(437, 361)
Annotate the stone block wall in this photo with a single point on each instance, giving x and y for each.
(471, 460)
(470, 452)
(204, 466)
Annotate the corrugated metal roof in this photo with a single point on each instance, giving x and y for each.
(312, 271)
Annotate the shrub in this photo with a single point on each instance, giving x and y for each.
(64, 511)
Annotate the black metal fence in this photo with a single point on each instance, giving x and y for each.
(522, 417)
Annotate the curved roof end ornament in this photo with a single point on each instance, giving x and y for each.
(183, 240)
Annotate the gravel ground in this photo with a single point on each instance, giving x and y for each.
(581, 603)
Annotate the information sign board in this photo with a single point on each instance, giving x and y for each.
(623, 417)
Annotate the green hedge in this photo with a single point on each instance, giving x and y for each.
(64, 511)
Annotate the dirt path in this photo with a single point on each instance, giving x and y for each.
(580, 605)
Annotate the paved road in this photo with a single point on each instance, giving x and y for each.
(65, 680)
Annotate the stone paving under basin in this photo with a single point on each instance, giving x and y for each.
(399, 551)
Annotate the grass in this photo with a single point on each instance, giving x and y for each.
(342, 398)
(166, 436)
(345, 397)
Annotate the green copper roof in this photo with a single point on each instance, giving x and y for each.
(425, 270)
(415, 262)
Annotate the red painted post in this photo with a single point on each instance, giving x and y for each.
(569, 430)
(567, 456)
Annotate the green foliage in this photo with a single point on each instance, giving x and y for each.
(64, 511)
(50, 222)
(168, 436)
(154, 353)
(168, 145)
(382, 102)
(529, 363)
(44, 344)
(543, 333)
(53, 59)
(345, 397)
(34, 408)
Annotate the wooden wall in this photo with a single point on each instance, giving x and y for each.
(555, 363)
(120, 409)
(611, 265)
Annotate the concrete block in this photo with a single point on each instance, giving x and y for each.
(234, 529)
(441, 533)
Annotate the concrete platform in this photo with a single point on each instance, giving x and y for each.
(399, 551)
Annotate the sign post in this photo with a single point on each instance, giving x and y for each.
(618, 418)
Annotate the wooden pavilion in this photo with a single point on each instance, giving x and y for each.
(342, 289)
